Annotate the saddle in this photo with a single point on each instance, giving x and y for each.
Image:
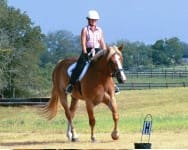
(80, 77)
(72, 67)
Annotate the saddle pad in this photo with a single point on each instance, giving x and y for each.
(72, 66)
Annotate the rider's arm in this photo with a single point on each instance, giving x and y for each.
(83, 40)
(102, 42)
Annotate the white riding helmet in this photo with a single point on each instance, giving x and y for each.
(93, 14)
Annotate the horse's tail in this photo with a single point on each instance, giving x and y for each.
(49, 111)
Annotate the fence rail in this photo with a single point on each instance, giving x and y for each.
(152, 74)
(127, 86)
(23, 101)
(135, 86)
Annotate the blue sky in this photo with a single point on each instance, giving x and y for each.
(134, 20)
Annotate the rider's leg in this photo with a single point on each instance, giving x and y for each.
(76, 72)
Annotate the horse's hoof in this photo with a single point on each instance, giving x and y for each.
(115, 135)
(75, 140)
(93, 140)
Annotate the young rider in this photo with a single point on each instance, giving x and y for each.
(92, 40)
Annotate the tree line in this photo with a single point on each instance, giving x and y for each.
(27, 56)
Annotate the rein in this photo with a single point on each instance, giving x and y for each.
(99, 54)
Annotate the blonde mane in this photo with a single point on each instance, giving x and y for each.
(113, 49)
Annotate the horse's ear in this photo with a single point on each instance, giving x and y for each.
(121, 47)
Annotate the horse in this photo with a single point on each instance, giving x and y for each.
(97, 86)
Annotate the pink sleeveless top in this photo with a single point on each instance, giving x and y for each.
(93, 37)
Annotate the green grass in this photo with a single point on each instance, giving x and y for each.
(167, 106)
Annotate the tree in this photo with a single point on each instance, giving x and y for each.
(25, 41)
(5, 57)
(136, 54)
(60, 44)
(174, 50)
(3, 4)
(4, 63)
(167, 52)
(158, 55)
(184, 49)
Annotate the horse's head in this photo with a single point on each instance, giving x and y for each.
(115, 59)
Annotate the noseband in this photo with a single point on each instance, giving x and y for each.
(117, 72)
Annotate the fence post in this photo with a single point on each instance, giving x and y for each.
(132, 85)
(184, 84)
(165, 73)
(166, 85)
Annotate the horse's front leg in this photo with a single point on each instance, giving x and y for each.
(91, 116)
(112, 105)
(115, 132)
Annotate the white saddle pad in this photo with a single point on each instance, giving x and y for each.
(72, 66)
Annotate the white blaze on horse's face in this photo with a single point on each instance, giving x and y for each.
(120, 68)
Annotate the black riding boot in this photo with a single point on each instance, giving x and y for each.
(76, 72)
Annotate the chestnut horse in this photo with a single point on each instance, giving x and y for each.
(97, 86)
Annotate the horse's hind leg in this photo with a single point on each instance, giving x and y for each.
(63, 100)
(73, 107)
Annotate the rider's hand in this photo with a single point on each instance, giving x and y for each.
(86, 57)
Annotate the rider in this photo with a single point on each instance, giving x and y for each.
(92, 40)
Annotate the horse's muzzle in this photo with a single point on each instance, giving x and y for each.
(121, 77)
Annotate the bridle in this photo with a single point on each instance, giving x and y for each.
(116, 72)
(119, 72)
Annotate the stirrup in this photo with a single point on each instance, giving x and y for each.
(69, 89)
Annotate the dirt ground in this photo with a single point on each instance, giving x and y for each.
(104, 141)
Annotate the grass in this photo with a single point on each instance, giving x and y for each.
(167, 106)
(22, 127)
